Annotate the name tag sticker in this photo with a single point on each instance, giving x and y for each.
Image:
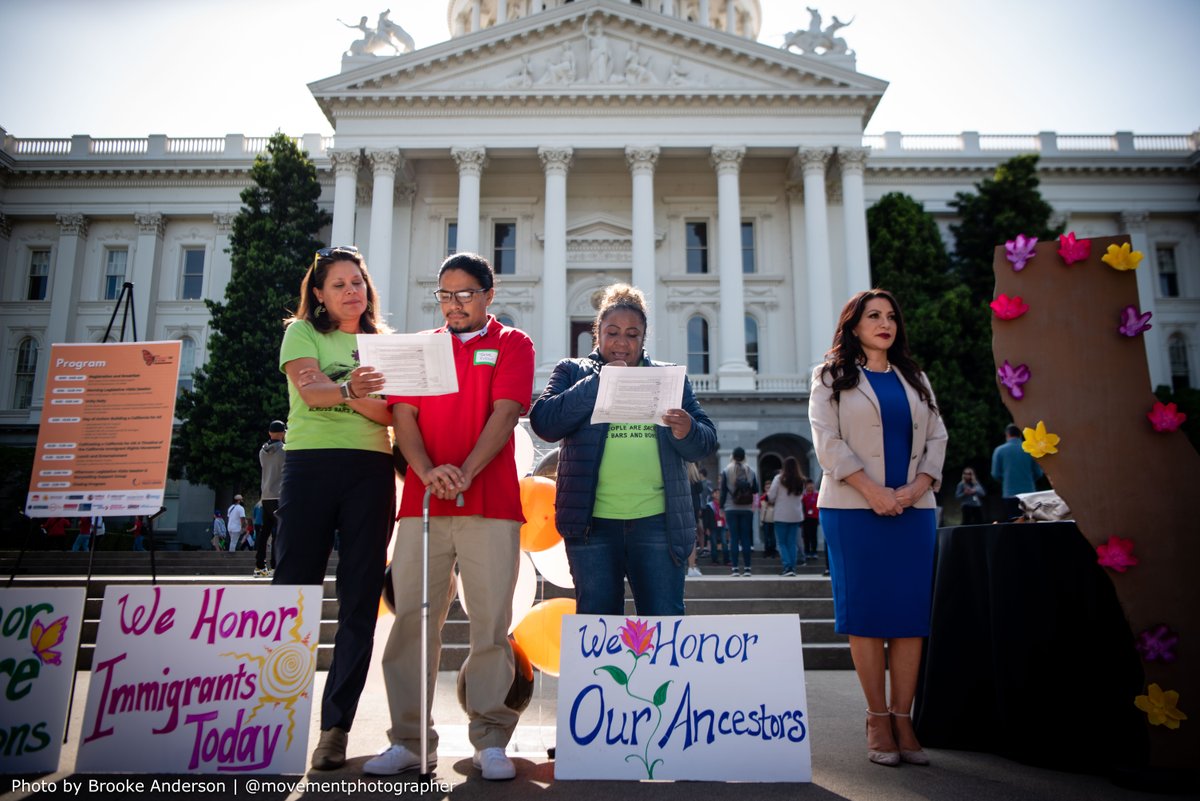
(486, 356)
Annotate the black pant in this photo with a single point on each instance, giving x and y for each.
(809, 531)
(972, 515)
(264, 532)
(353, 492)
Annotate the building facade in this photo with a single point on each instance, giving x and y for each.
(576, 144)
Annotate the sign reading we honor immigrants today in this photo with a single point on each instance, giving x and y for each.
(39, 637)
(105, 432)
(705, 698)
(202, 679)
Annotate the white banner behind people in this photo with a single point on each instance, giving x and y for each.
(202, 679)
(39, 637)
(707, 698)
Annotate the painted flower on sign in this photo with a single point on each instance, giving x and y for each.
(1013, 378)
(1157, 644)
(1072, 249)
(1020, 250)
(1039, 442)
(636, 636)
(1133, 322)
(1161, 708)
(1166, 417)
(1116, 554)
(1007, 308)
(1122, 257)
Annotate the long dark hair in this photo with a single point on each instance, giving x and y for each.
(311, 309)
(843, 359)
(791, 478)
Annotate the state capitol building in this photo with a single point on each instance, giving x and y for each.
(575, 144)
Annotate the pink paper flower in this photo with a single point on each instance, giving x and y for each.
(1157, 644)
(1020, 250)
(1166, 417)
(1072, 249)
(1007, 308)
(1013, 378)
(636, 635)
(1122, 257)
(1133, 322)
(1116, 554)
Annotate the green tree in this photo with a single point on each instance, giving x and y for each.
(240, 390)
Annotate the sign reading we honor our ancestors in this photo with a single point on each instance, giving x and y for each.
(39, 637)
(706, 698)
(105, 433)
(202, 679)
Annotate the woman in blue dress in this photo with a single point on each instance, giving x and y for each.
(881, 441)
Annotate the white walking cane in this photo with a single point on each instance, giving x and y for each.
(426, 774)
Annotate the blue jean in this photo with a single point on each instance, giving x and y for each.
(785, 536)
(741, 534)
(83, 542)
(614, 549)
(718, 539)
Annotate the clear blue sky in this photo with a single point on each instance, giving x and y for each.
(116, 68)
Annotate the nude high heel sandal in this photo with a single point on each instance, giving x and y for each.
(918, 757)
(889, 758)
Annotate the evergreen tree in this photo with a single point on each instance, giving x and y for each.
(241, 390)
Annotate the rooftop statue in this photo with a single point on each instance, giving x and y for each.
(386, 34)
(808, 41)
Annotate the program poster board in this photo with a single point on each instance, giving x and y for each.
(39, 638)
(105, 432)
(202, 679)
(706, 698)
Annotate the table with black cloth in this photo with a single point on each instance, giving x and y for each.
(1030, 655)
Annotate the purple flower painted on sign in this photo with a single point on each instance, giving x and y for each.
(1020, 250)
(1157, 644)
(1133, 322)
(636, 636)
(1013, 378)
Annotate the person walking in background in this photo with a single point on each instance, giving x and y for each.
(624, 504)
(739, 485)
(1016, 471)
(139, 533)
(337, 473)
(696, 485)
(270, 459)
(55, 529)
(971, 493)
(235, 523)
(714, 523)
(881, 441)
(766, 524)
(787, 496)
(812, 517)
(220, 534)
(83, 540)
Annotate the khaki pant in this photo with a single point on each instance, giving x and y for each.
(487, 553)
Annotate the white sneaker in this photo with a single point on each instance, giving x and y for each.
(494, 763)
(396, 759)
(694, 572)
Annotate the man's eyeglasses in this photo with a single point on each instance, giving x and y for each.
(463, 296)
(325, 253)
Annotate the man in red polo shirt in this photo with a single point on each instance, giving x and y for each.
(460, 443)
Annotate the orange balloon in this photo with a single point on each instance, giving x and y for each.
(540, 633)
(537, 502)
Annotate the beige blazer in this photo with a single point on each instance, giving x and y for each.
(848, 435)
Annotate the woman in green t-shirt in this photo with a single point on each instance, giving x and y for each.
(337, 474)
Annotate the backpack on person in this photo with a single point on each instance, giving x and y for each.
(743, 489)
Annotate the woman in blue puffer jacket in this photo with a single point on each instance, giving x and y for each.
(623, 505)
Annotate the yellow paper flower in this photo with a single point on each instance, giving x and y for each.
(1160, 707)
(1038, 441)
(1122, 257)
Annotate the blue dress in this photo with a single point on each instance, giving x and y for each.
(882, 567)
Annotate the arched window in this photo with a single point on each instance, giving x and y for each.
(752, 342)
(697, 337)
(27, 356)
(506, 319)
(1177, 352)
(187, 362)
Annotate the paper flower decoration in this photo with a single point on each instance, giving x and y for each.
(1007, 308)
(1072, 249)
(1157, 644)
(1039, 442)
(1161, 707)
(1122, 257)
(1116, 554)
(1013, 378)
(1133, 322)
(1166, 417)
(1020, 250)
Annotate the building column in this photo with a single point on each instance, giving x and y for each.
(668, 7)
(384, 164)
(501, 12)
(816, 252)
(147, 269)
(730, 16)
(538, 6)
(556, 161)
(854, 219)
(5, 238)
(221, 270)
(705, 15)
(734, 373)
(64, 293)
(1134, 224)
(345, 168)
(641, 161)
(397, 304)
(471, 161)
(800, 303)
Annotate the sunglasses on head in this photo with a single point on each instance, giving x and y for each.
(325, 253)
